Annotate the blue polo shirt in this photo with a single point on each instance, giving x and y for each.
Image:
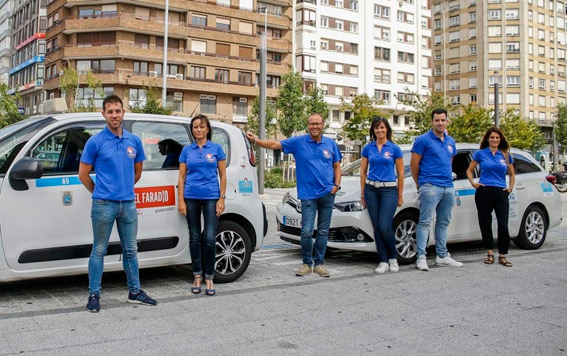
(382, 163)
(492, 167)
(435, 166)
(202, 179)
(113, 158)
(314, 164)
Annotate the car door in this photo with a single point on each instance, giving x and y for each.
(464, 221)
(48, 225)
(162, 231)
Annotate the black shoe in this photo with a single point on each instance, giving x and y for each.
(140, 298)
(93, 305)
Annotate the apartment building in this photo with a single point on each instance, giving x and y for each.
(519, 44)
(5, 31)
(213, 49)
(350, 47)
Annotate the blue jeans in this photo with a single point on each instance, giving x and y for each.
(434, 199)
(323, 208)
(209, 210)
(103, 215)
(381, 204)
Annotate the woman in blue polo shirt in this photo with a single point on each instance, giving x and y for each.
(492, 193)
(201, 165)
(380, 193)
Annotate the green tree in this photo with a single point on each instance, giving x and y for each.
(419, 114)
(8, 106)
(561, 126)
(254, 119)
(69, 83)
(470, 124)
(364, 109)
(96, 85)
(315, 103)
(521, 133)
(291, 105)
(152, 105)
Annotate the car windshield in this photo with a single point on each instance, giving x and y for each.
(14, 137)
(353, 169)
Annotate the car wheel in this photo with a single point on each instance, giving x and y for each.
(562, 187)
(405, 227)
(233, 252)
(533, 229)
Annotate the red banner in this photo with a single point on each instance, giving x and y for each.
(151, 197)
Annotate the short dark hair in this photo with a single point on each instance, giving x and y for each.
(439, 111)
(375, 122)
(111, 99)
(206, 120)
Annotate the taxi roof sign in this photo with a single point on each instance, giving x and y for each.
(53, 106)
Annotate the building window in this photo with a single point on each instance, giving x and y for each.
(199, 20)
(223, 24)
(381, 54)
(141, 68)
(382, 95)
(208, 104)
(244, 78)
(382, 12)
(239, 106)
(221, 75)
(174, 100)
(198, 73)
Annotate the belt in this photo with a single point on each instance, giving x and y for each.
(381, 184)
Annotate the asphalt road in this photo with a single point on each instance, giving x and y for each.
(475, 310)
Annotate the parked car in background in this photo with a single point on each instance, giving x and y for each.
(45, 225)
(535, 207)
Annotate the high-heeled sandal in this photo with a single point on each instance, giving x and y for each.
(504, 261)
(489, 259)
(196, 289)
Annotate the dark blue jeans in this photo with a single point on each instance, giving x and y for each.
(209, 210)
(323, 208)
(381, 204)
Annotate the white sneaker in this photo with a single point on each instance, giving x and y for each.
(447, 262)
(421, 263)
(394, 265)
(382, 267)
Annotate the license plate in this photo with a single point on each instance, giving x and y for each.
(294, 222)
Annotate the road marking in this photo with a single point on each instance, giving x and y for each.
(269, 257)
(285, 263)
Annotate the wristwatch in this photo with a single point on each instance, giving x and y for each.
(223, 196)
(338, 186)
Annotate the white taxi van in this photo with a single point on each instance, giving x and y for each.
(45, 225)
(535, 207)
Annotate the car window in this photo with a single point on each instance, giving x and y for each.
(353, 169)
(60, 152)
(162, 143)
(461, 162)
(523, 165)
(221, 137)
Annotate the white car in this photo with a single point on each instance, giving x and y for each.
(45, 225)
(535, 207)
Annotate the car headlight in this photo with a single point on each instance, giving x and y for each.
(288, 199)
(350, 206)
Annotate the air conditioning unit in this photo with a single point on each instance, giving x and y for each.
(171, 76)
(153, 73)
(179, 76)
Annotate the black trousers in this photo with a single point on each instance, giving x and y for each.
(488, 199)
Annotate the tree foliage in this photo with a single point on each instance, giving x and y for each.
(253, 124)
(470, 124)
(69, 83)
(152, 105)
(561, 126)
(521, 133)
(364, 109)
(291, 105)
(315, 103)
(8, 106)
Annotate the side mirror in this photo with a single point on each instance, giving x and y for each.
(26, 168)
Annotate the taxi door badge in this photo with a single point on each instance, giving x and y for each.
(67, 198)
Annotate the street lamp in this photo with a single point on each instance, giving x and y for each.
(496, 101)
(165, 43)
(263, 69)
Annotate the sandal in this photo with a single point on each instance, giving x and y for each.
(196, 287)
(489, 259)
(504, 262)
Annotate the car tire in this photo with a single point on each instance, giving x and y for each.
(533, 229)
(233, 252)
(562, 187)
(405, 227)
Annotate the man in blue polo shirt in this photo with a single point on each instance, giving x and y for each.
(318, 180)
(431, 169)
(117, 157)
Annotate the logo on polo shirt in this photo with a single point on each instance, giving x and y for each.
(131, 151)
(387, 155)
(326, 154)
(502, 161)
(210, 157)
(450, 149)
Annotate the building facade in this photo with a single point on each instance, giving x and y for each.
(26, 71)
(350, 47)
(213, 49)
(519, 44)
(5, 39)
